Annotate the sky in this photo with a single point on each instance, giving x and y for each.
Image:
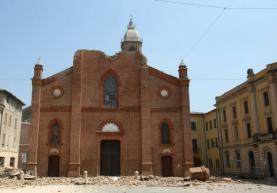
(217, 61)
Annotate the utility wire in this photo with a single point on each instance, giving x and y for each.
(204, 33)
(208, 29)
(215, 6)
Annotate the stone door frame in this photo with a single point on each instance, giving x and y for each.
(100, 136)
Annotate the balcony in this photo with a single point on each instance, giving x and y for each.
(264, 137)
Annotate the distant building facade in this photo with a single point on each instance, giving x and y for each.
(198, 139)
(247, 117)
(24, 138)
(10, 118)
(110, 116)
(212, 142)
(205, 141)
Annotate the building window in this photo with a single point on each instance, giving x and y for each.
(234, 112)
(212, 143)
(211, 125)
(227, 159)
(14, 141)
(10, 120)
(248, 128)
(132, 48)
(215, 123)
(5, 119)
(15, 123)
(2, 161)
(266, 98)
(236, 133)
(245, 104)
(224, 116)
(207, 126)
(210, 163)
(194, 145)
(216, 142)
(217, 163)
(110, 91)
(165, 134)
(110, 127)
(12, 160)
(3, 139)
(55, 134)
(226, 135)
(269, 124)
(193, 125)
(208, 144)
(238, 163)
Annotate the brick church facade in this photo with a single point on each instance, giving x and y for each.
(110, 115)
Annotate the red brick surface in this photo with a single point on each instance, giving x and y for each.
(139, 115)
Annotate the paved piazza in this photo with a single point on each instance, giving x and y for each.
(186, 187)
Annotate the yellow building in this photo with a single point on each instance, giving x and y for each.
(205, 141)
(212, 142)
(247, 117)
(198, 139)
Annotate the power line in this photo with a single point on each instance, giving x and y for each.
(205, 32)
(215, 6)
(208, 29)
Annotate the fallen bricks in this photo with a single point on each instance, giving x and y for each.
(199, 173)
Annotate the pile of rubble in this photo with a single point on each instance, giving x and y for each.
(16, 179)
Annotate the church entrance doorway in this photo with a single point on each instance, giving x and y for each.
(110, 158)
(167, 166)
(53, 166)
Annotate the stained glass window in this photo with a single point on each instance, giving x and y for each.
(56, 132)
(110, 91)
(165, 135)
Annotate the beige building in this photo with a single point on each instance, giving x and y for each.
(10, 118)
(24, 138)
(205, 141)
(248, 125)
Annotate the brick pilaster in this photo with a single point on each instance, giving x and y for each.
(146, 153)
(184, 91)
(75, 130)
(35, 118)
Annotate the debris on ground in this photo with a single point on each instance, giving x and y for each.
(199, 173)
(10, 178)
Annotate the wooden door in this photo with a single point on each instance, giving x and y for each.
(110, 158)
(53, 166)
(167, 166)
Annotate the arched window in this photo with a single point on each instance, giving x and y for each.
(132, 48)
(110, 127)
(110, 91)
(55, 134)
(165, 134)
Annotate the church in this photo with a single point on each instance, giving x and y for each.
(111, 116)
